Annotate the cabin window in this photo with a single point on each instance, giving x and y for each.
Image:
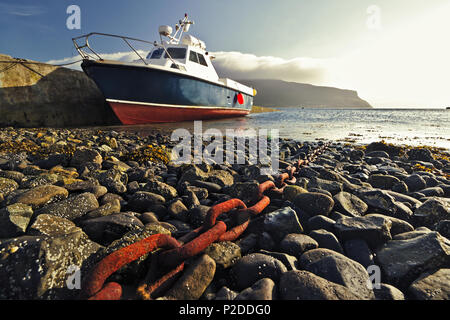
(155, 54)
(176, 53)
(193, 56)
(202, 60)
(197, 58)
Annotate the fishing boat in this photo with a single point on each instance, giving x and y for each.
(175, 81)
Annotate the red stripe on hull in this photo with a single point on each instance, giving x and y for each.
(130, 114)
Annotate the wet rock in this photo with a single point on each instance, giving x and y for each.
(400, 187)
(98, 191)
(211, 187)
(254, 267)
(85, 155)
(374, 230)
(431, 286)
(443, 227)
(339, 269)
(431, 212)
(226, 294)
(382, 201)
(420, 154)
(178, 210)
(110, 197)
(281, 222)
(266, 242)
(261, 290)
(403, 261)
(52, 226)
(432, 192)
(388, 292)
(14, 220)
(194, 281)
(114, 180)
(71, 208)
(28, 269)
(382, 181)
(200, 193)
(193, 173)
(378, 154)
(314, 203)
(7, 186)
(359, 251)
(161, 188)
(413, 203)
(295, 244)
(412, 234)
(333, 187)
(326, 240)
(246, 191)
(225, 254)
(398, 225)
(12, 175)
(321, 222)
(291, 191)
(350, 204)
(221, 177)
(307, 173)
(148, 217)
(36, 181)
(304, 285)
(415, 183)
(105, 230)
(247, 243)
(142, 200)
(289, 261)
(197, 215)
(104, 210)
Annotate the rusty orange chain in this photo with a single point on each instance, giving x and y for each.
(187, 246)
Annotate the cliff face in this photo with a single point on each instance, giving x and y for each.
(277, 93)
(41, 95)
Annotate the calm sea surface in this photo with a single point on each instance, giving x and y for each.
(411, 126)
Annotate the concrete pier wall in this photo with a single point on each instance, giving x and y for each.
(42, 95)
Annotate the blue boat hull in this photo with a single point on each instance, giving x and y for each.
(139, 94)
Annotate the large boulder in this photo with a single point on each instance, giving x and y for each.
(431, 212)
(304, 285)
(314, 203)
(337, 268)
(14, 220)
(42, 195)
(431, 286)
(72, 208)
(403, 261)
(281, 222)
(374, 230)
(194, 281)
(106, 229)
(254, 267)
(296, 244)
(349, 204)
(383, 202)
(263, 289)
(40, 267)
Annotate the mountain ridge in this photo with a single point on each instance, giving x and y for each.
(279, 93)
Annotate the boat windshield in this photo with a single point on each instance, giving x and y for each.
(176, 53)
(155, 54)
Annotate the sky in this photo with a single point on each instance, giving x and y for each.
(394, 53)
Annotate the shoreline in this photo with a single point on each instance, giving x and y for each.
(89, 192)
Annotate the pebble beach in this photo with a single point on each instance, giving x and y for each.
(373, 213)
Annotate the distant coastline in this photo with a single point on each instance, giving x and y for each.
(277, 93)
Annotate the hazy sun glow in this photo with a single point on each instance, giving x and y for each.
(407, 67)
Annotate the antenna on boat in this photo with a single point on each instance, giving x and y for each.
(180, 27)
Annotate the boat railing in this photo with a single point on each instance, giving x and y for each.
(85, 46)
